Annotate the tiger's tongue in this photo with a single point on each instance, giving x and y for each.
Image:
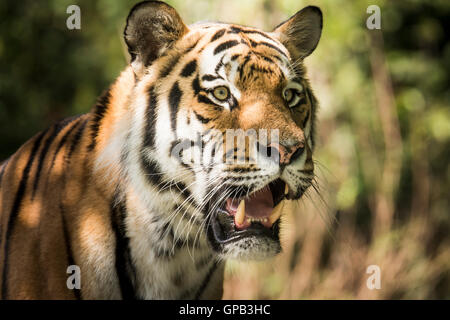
(258, 205)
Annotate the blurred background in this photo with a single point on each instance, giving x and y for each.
(381, 195)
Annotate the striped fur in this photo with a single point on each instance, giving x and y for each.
(105, 192)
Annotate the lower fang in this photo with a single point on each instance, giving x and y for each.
(276, 213)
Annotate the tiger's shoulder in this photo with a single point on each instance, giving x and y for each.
(49, 192)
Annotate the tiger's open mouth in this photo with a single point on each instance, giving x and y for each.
(254, 216)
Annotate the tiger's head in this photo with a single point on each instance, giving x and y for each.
(227, 122)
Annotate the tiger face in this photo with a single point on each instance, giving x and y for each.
(227, 120)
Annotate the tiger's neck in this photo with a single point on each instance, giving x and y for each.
(161, 251)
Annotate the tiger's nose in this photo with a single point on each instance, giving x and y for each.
(288, 154)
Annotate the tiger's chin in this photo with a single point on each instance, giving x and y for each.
(247, 227)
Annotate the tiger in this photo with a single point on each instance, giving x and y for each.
(136, 194)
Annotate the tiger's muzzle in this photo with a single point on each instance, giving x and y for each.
(246, 225)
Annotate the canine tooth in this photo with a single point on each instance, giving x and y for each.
(240, 212)
(286, 189)
(276, 213)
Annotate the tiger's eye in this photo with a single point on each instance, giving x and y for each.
(288, 94)
(221, 93)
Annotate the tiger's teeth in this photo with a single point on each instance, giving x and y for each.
(276, 213)
(240, 213)
(286, 189)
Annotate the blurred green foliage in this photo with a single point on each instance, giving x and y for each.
(48, 72)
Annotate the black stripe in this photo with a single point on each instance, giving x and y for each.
(234, 103)
(48, 142)
(196, 85)
(280, 60)
(174, 59)
(99, 112)
(312, 102)
(202, 119)
(204, 99)
(63, 141)
(151, 169)
(219, 65)
(225, 45)
(235, 56)
(174, 102)
(217, 35)
(183, 189)
(210, 77)
(267, 59)
(242, 66)
(189, 69)
(267, 44)
(235, 29)
(255, 67)
(306, 119)
(150, 117)
(76, 139)
(165, 230)
(213, 152)
(70, 259)
(124, 265)
(206, 281)
(189, 49)
(42, 155)
(16, 207)
(170, 64)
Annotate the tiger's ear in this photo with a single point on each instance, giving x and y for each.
(300, 34)
(152, 27)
